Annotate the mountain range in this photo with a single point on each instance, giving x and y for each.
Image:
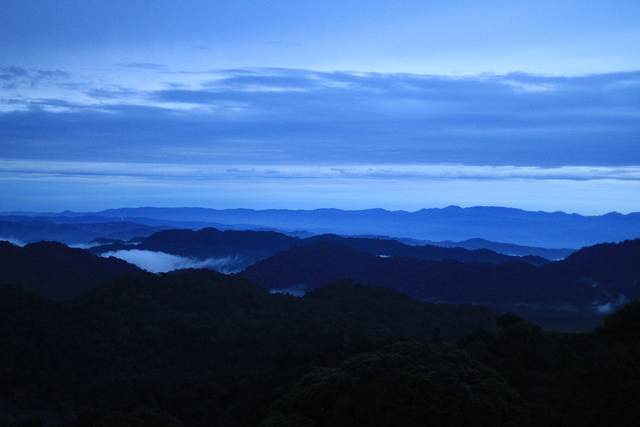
(453, 223)
(592, 281)
(195, 348)
(593, 278)
(240, 249)
(383, 331)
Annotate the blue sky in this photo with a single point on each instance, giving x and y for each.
(291, 104)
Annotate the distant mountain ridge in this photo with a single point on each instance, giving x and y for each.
(552, 254)
(497, 224)
(31, 230)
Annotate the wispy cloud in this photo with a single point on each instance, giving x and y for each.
(141, 65)
(14, 77)
(12, 240)
(301, 116)
(164, 171)
(274, 134)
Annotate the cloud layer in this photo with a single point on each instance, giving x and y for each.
(277, 116)
(160, 262)
(298, 138)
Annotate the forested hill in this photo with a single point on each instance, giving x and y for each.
(591, 278)
(249, 246)
(55, 270)
(134, 342)
(199, 348)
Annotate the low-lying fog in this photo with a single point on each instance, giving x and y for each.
(160, 262)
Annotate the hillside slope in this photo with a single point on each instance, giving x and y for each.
(593, 278)
(57, 271)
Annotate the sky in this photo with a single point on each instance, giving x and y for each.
(400, 105)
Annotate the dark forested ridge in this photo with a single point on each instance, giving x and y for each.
(552, 254)
(249, 246)
(589, 279)
(597, 278)
(196, 347)
(56, 271)
(133, 344)
(202, 348)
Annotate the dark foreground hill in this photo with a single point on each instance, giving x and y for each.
(199, 348)
(56, 271)
(135, 343)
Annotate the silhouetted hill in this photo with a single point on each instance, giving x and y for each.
(611, 266)
(210, 242)
(591, 278)
(202, 348)
(56, 271)
(312, 265)
(623, 325)
(391, 247)
(134, 343)
(552, 254)
(247, 247)
(585, 379)
(407, 384)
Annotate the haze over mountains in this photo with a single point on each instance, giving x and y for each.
(201, 348)
(296, 258)
(592, 281)
(233, 250)
(497, 224)
(316, 326)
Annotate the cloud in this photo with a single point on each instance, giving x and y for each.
(296, 291)
(611, 305)
(270, 133)
(207, 172)
(303, 116)
(17, 77)
(160, 262)
(141, 65)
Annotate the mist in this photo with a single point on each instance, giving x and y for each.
(161, 262)
(295, 291)
(15, 242)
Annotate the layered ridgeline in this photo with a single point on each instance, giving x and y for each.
(70, 230)
(197, 347)
(201, 348)
(596, 278)
(232, 251)
(495, 224)
(498, 224)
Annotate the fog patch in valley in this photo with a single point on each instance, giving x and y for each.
(15, 242)
(612, 305)
(295, 291)
(161, 262)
